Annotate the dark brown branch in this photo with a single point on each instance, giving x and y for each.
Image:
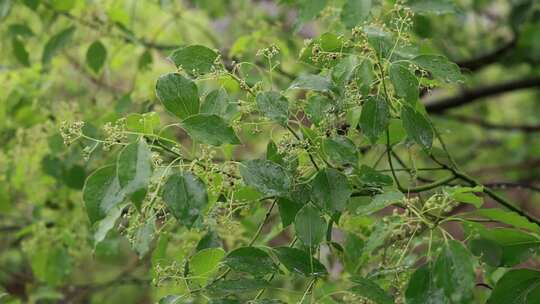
(470, 96)
(494, 126)
(477, 63)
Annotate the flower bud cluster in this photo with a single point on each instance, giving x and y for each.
(70, 132)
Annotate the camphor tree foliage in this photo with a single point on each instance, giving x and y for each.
(208, 152)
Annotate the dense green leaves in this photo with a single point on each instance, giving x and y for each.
(515, 246)
(318, 108)
(340, 150)
(330, 190)
(299, 261)
(373, 178)
(518, 286)
(178, 95)
(405, 83)
(210, 129)
(219, 103)
(453, 272)
(205, 263)
(56, 43)
(266, 176)
(288, 210)
(451, 279)
(186, 196)
(465, 195)
(431, 6)
(101, 192)
(355, 11)
(194, 59)
(274, 106)
(417, 126)
(506, 217)
(422, 288)
(440, 67)
(237, 286)
(311, 82)
(20, 52)
(374, 118)
(370, 290)
(250, 260)
(134, 167)
(309, 225)
(381, 201)
(96, 56)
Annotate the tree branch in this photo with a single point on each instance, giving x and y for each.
(489, 125)
(479, 62)
(471, 96)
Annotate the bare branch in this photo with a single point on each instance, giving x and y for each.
(470, 96)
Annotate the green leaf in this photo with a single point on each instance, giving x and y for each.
(422, 289)
(134, 167)
(194, 59)
(381, 201)
(210, 129)
(437, 7)
(101, 193)
(209, 240)
(143, 123)
(417, 126)
(374, 118)
(185, 195)
(237, 286)
(21, 30)
(372, 178)
(352, 250)
(274, 106)
(344, 71)
(453, 272)
(288, 210)
(489, 251)
(380, 40)
(204, 264)
(218, 102)
(516, 245)
(340, 150)
(250, 260)
(178, 95)
(506, 217)
(308, 10)
(318, 108)
(310, 226)
(96, 56)
(51, 264)
(405, 83)
(371, 291)
(63, 5)
(299, 261)
(145, 60)
(465, 195)
(266, 176)
(311, 82)
(144, 236)
(103, 226)
(364, 76)
(440, 67)
(330, 190)
(517, 286)
(20, 52)
(5, 8)
(56, 43)
(355, 12)
(171, 299)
